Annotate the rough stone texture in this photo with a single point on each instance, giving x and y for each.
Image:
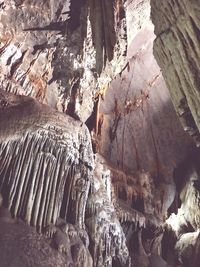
(138, 127)
(184, 224)
(45, 175)
(55, 50)
(177, 51)
(137, 17)
(107, 237)
(94, 60)
(37, 56)
(188, 249)
(46, 170)
(22, 246)
(71, 241)
(113, 216)
(46, 161)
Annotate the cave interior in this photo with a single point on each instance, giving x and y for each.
(99, 133)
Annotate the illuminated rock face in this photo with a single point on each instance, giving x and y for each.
(47, 167)
(94, 61)
(40, 60)
(54, 51)
(139, 129)
(177, 51)
(46, 162)
(184, 224)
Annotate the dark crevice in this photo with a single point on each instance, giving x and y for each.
(195, 28)
(122, 194)
(17, 64)
(75, 14)
(138, 204)
(91, 121)
(60, 26)
(94, 125)
(43, 46)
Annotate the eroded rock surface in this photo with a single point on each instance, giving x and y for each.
(46, 162)
(21, 245)
(55, 51)
(94, 61)
(104, 227)
(177, 51)
(138, 127)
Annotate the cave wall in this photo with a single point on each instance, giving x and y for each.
(37, 57)
(47, 163)
(176, 49)
(138, 127)
(56, 51)
(94, 61)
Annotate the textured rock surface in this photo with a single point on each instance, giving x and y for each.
(37, 57)
(46, 162)
(71, 241)
(46, 170)
(137, 17)
(45, 174)
(94, 61)
(177, 51)
(55, 50)
(22, 246)
(185, 223)
(106, 233)
(188, 249)
(138, 128)
(114, 219)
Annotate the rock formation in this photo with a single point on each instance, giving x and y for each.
(177, 52)
(46, 161)
(99, 129)
(176, 49)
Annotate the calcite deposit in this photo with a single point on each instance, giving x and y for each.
(99, 133)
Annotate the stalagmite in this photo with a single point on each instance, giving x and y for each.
(105, 229)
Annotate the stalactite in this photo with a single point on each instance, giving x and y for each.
(103, 31)
(39, 159)
(127, 214)
(53, 186)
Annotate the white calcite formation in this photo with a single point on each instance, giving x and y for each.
(46, 162)
(105, 231)
(94, 60)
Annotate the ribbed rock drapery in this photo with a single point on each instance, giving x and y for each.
(177, 50)
(93, 60)
(45, 162)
